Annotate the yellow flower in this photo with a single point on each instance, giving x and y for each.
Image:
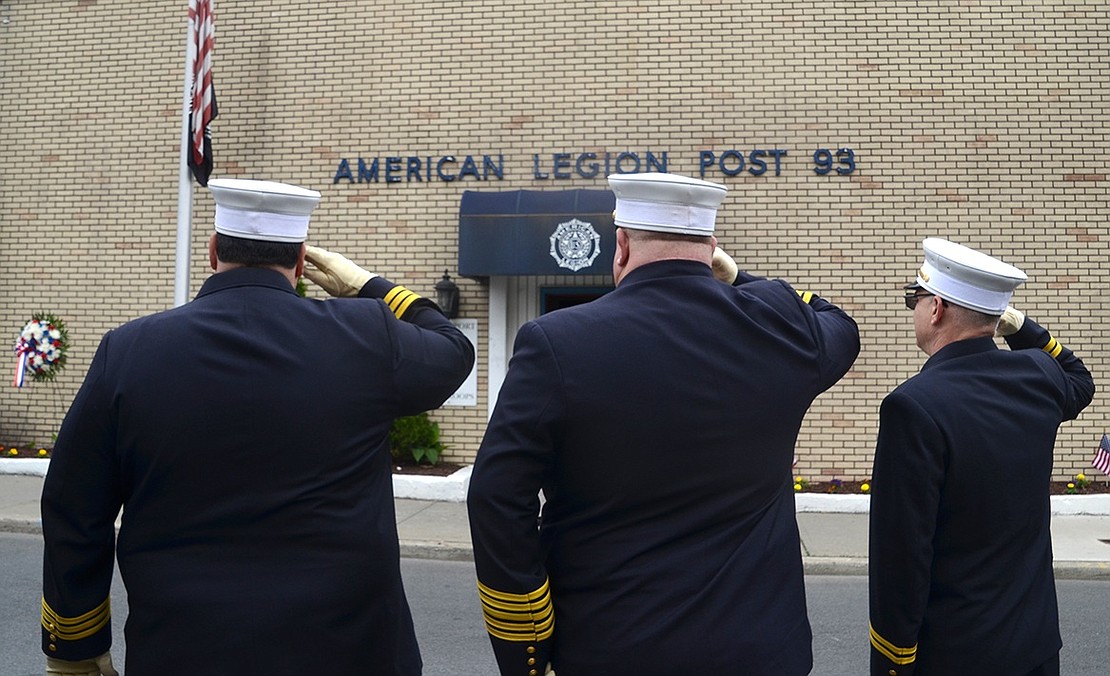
(865, 487)
(13, 451)
(42, 452)
(1080, 476)
(798, 479)
(797, 487)
(1071, 485)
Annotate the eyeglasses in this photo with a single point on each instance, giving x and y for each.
(913, 298)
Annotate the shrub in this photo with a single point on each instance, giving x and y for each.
(415, 439)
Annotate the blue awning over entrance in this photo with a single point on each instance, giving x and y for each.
(536, 232)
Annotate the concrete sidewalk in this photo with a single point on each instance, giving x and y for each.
(833, 529)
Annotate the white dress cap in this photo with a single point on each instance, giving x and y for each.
(666, 203)
(967, 277)
(276, 212)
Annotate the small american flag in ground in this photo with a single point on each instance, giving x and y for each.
(202, 36)
(1102, 456)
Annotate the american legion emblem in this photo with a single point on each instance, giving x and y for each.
(575, 244)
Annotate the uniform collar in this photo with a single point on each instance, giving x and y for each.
(238, 277)
(960, 348)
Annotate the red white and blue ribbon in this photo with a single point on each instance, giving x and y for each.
(20, 368)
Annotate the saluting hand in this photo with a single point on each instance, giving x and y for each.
(334, 273)
(96, 666)
(724, 268)
(1010, 322)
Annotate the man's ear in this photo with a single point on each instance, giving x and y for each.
(212, 259)
(622, 247)
(299, 270)
(938, 310)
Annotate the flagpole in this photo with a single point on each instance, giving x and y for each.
(184, 182)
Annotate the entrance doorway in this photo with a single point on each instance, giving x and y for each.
(557, 298)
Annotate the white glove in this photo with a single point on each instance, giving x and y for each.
(1010, 322)
(96, 666)
(724, 268)
(335, 273)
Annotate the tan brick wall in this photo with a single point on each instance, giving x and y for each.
(982, 122)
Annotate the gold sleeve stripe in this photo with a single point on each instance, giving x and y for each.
(518, 617)
(79, 627)
(541, 632)
(513, 608)
(399, 299)
(514, 611)
(526, 623)
(510, 610)
(1053, 347)
(508, 620)
(807, 296)
(891, 651)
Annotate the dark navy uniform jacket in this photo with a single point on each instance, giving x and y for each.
(960, 550)
(660, 422)
(245, 434)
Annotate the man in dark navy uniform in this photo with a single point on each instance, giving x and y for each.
(245, 435)
(659, 422)
(960, 550)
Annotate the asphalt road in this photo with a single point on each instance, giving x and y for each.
(453, 641)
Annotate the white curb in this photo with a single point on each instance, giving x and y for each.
(1069, 505)
(1097, 504)
(453, 489)
(827, 502)
(442, 488)
(28, 466)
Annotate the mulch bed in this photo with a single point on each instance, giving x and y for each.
(1094, 487)
(441, 469)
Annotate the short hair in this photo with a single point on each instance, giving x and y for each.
(656, 236)
(973, 319)
(256, 252)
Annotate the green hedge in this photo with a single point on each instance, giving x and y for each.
(415, 439)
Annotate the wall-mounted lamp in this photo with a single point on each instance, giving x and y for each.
(447, 296)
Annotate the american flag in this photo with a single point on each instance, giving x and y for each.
(202, 35)
(1102, 456)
